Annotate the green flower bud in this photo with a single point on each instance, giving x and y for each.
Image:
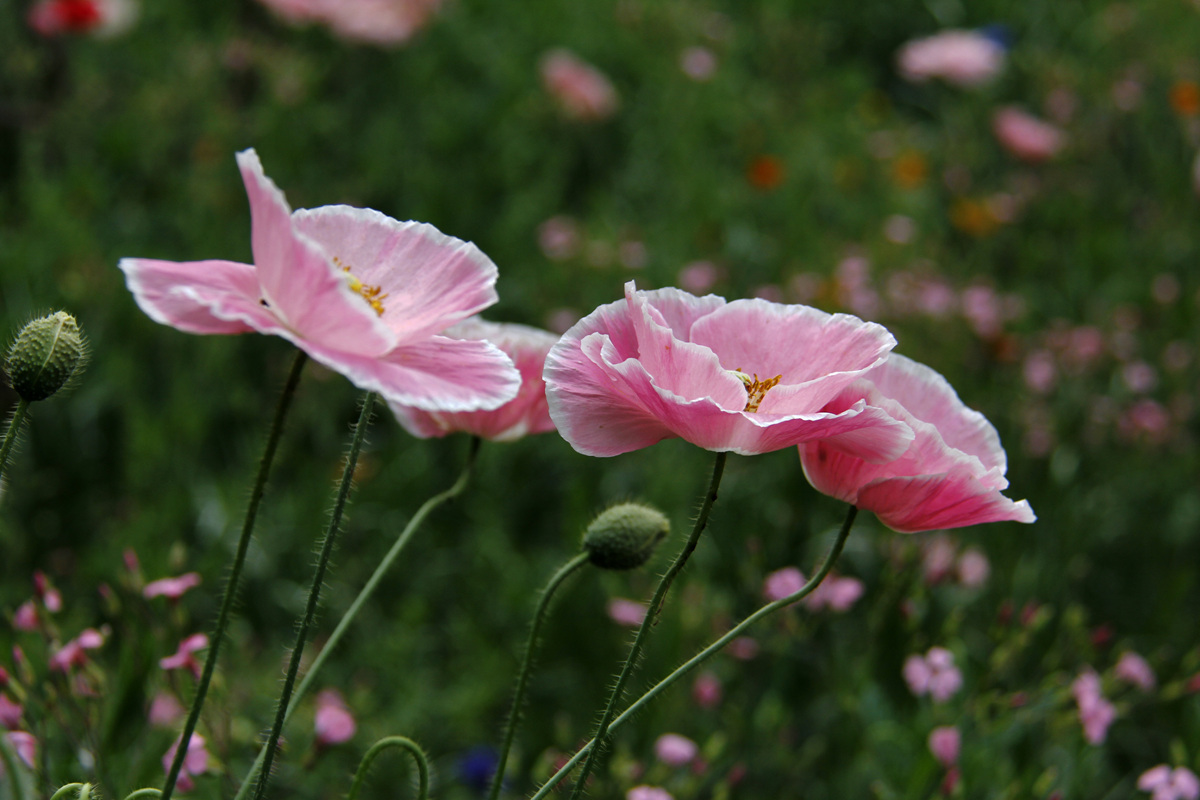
(45, 355)
(624, 536)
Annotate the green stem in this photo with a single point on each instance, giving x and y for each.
(140, 793)
(235, 572)
(10, 766)
(393, 741)
(514, 713)
(82, 790)
(314, 593)
(366, 592)
(10, 434)
(660, 596)
(704, 654)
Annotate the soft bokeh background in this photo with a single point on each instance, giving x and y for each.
(767, 148)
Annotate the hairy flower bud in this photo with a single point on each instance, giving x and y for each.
(45, 355)
(624, 536)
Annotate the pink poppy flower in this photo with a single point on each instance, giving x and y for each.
(1025, 136)
(944, 743)
(381, 22)
(581, 90)
(172, 588)
(524, 414)
(99, 17)
(933, 674)
(333, 723)
(951, 475)
(749, 377)
(1165, 783)
(361, 293)
(675, 750)
(194, 763)
(963, 58)
(185, 656)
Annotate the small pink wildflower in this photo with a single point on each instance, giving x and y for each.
(933, 674)
(72, 654)
(963, 58)
(194, 763)
(1165, 783)
(361, 293)
(1040, 371)
(581, 90)
(1134, 669)
(973, 568)
(10, 713)
(782, 583)
(24, 745)
(698, 63)
(50, 597)
(745, 648)
(26, 617)
(559, 238)
(698, 276)
(1025, 136)
(629, 613)
(675, 750)
(836, 592)
(333, 722)
(184, 657)
(380, 22)
(706, 690)
(944, 743)
(172, 588)
(165, 711)
(648, 793)
(749, 376)
(1095, 713)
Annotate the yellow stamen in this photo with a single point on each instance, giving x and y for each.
(369, 293)
(756, 390)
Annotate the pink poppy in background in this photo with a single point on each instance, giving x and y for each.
(361, 293)
(581, 90)
(933, 674)
(963, 58)
(1025, 136)
(333, 722)
(380, 22)
(194, 763)
(1134, 669)
(172, 588)
(951, 475)
(1165, 783)
(1095, 712)
(523, 415)
(945, 743)
(750, 376)
(99, 17)
(185, 656)
(675, 750)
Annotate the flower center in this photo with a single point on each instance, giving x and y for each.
(756, 390)
(369, 293)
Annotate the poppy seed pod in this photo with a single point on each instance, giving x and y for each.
(624, 536)
(45, 355)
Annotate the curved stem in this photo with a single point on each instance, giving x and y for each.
(10, 766)
(704, 654)
(660, 595)
(314, 593)
(140, 793)
(363, 595)
(10, 433)
(235, 572)
(514, 713)
(82, 790)
(393, 741)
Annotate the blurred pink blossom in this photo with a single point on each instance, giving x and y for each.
(1139, 377)
(10, 713)
(581, 90)
(973, 568)
(933, 674)
(626, 612)
(836, 593)
(333, 723)
(194, 763)
(1085, 344)
(1134, 669)
(938, 555)
(782, 583)
(632, 254)
(25, 618)
(899, 229)
(698, 63)
(698, 276)
(675, 750)
(72, 654)
(99, 17)
(743, 648)
(559, 238)
(981, 307)
(184, 657)
(560, 320)
(944, 743)
(1040, 371)
(648, 793)
(1025, 136)
(24, 745)
(172, 588)
(165, 711)
(1165, 783)
(961, 57)
(1146, 419)
(1095, 713)
(381, 22)
(706, 690)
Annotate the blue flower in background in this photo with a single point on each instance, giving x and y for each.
(477, 766)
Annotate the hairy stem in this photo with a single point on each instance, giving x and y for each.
(10, 434)
(404, 742)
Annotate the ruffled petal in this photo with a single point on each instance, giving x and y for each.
(437, 374)
(304, 289)
(936, 502)
(427, 280)
(199, 296)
